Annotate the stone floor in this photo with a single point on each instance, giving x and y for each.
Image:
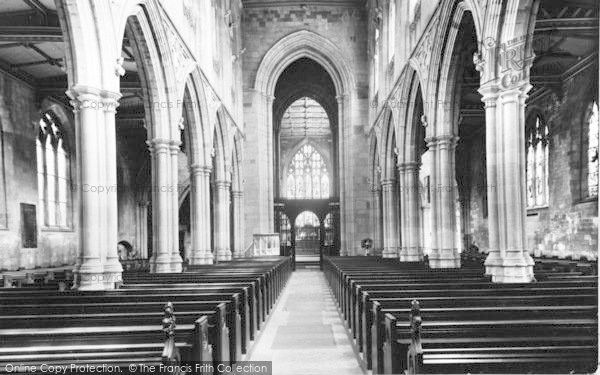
(305, 334)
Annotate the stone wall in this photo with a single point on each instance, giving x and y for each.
(345, 26)
(19, 118)
(569, 225)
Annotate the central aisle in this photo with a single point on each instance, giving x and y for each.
(305, 334)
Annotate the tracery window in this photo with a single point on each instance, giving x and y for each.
(537, 164)
(592, 151)
(307, 176)
(53, 170)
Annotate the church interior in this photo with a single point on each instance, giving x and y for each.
(299, 186)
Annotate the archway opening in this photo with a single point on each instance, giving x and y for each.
(305, 113)
(308, 235)
(471, 205)
(134, 177)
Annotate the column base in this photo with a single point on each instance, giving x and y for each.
(411, 254)
(201, 257)
(444, 258)
(90, 276)
(176, 263)
(160, 264)
(515, 267)
(113, 273)
(223, 255)
(389, 252)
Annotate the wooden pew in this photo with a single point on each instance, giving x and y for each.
(501, 341)
(395, 321)
(117, 345)
(354, 284)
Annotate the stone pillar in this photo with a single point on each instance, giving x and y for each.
(238, 219)
(142, 228)
(508, 260)
(444, 252)
(345, 214)
(376, 218)
(160, 160)
(112, 267)
(86, 104)
(176, 260)
(222, 227)
(270, 161)
(390, 219)
(200, 220)
(412, 249)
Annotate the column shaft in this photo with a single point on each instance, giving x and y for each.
(238, 219)
(112, 267)
(161, 257)
(176, 260)
(90, 269)
(200, 225)
(390, 216)
(376, 219)
(222, 227)
(412, 249)
(508, 260)
(444, 252)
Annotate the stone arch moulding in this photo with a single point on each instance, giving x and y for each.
(222, 150)
(83, 45)
(195, 105)
(321, 50)
(237, 181)
(303, 44)
(388, 137)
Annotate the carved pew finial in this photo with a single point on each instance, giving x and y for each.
(170, 355)
(415, 351)
(168, 321)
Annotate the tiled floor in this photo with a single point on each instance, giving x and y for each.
(304, 334)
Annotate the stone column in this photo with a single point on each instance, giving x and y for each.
(508, 260)
(444, 252)
(222, 227)
(238, 219)
(112, 267)
(376, 218)
(142, 228)
(390, 219)
(345, 214)
(270, 161)
(412, 249)
(200, 221)
(90, 269)
(160, 159)
(176, 260)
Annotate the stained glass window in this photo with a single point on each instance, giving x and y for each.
(54, 178)
(537, 164)
(593, 151)
(307, 176)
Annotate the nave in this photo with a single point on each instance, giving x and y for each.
(305, 334)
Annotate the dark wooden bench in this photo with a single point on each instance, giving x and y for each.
(501, 341)
(374, 297)
(117, 344)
